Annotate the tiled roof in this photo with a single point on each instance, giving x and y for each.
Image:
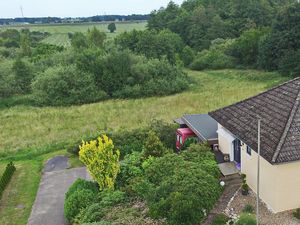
(280, 127)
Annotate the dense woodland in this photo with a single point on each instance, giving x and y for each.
(199, 34)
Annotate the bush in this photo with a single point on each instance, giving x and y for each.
(212, 59)
(8, 85)
(23, 74)
(220, 219)
(246, 219)
(78, 201)
(201, 154)
(130, 168)
(187, 55)
(102, 161)
(153, 146)
(297, 213)
(111, 198)
(177, 197)
(92, 213)
(101, 223)
(248, 209)
(6, 177)
(81, 184)
(65, 85)
(174, 188)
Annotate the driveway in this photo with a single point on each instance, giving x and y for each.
(48, 208)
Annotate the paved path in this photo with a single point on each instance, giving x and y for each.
(48, 208)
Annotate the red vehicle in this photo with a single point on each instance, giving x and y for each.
(182, 135)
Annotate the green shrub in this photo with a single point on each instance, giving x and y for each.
(177, 197)
(248, 209)
(8, 85)
(212, 59)
(220, 219)
(23, 74)
(130, 168)
(111, 198)
(81, 184)
(297, 213)
(78, 201)
(289, 64)
(187, 55)
(246, 219)
(202, 155)
(92, 213)
(65, 85)
(153, 146)
(6, 177)
(175, 187)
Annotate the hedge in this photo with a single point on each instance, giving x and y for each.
(4, 180)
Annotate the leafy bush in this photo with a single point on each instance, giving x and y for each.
(212, 59)
(177, 196)
(111, 198)
(187, 55)
(220, 219)
(65, 85)
(78, 201)
(153, 146)
(81, 184)
(92, 213)
(248, 209)
(6, 177)
(201, 154)
(23, 74)
(8, 85)
(289, 64)
(101, 160)
(130, 168)
(297, 213)
(246, 219)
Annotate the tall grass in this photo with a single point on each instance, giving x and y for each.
(32, 130)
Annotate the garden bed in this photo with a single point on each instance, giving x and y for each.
(236, 206)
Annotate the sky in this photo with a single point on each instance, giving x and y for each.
(77, 8)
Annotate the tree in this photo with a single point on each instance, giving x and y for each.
(101, 160)
(23, 75)
(96, 38)
(25, 43)
(153, 146)
(112, 27)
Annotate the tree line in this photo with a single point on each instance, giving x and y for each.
(261, 34)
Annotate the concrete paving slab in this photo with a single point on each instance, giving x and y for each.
(57, 163)
(48, 208)
(228, 168)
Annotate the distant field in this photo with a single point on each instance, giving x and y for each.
(36, 128)
(59, 32)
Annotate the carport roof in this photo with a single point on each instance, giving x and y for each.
(203, 125)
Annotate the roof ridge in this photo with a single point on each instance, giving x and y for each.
(289, 81)
(287, 127)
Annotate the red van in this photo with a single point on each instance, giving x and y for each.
(181, 135)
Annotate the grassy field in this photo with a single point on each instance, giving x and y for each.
(59, 32)
(33, 129)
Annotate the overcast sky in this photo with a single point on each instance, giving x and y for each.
(73, 8)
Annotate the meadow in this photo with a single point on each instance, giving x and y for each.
(59, 32)
(25, 128)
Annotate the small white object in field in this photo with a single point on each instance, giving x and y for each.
(222, 183)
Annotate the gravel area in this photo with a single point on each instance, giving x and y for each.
(239, 201)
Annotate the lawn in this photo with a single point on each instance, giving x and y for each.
(27, 129)
(59, 32)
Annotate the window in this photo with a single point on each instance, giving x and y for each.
(248, 150)
(180, 140)
(177, 137)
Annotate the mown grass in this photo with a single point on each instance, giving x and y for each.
(19, 195)
(32, 130)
